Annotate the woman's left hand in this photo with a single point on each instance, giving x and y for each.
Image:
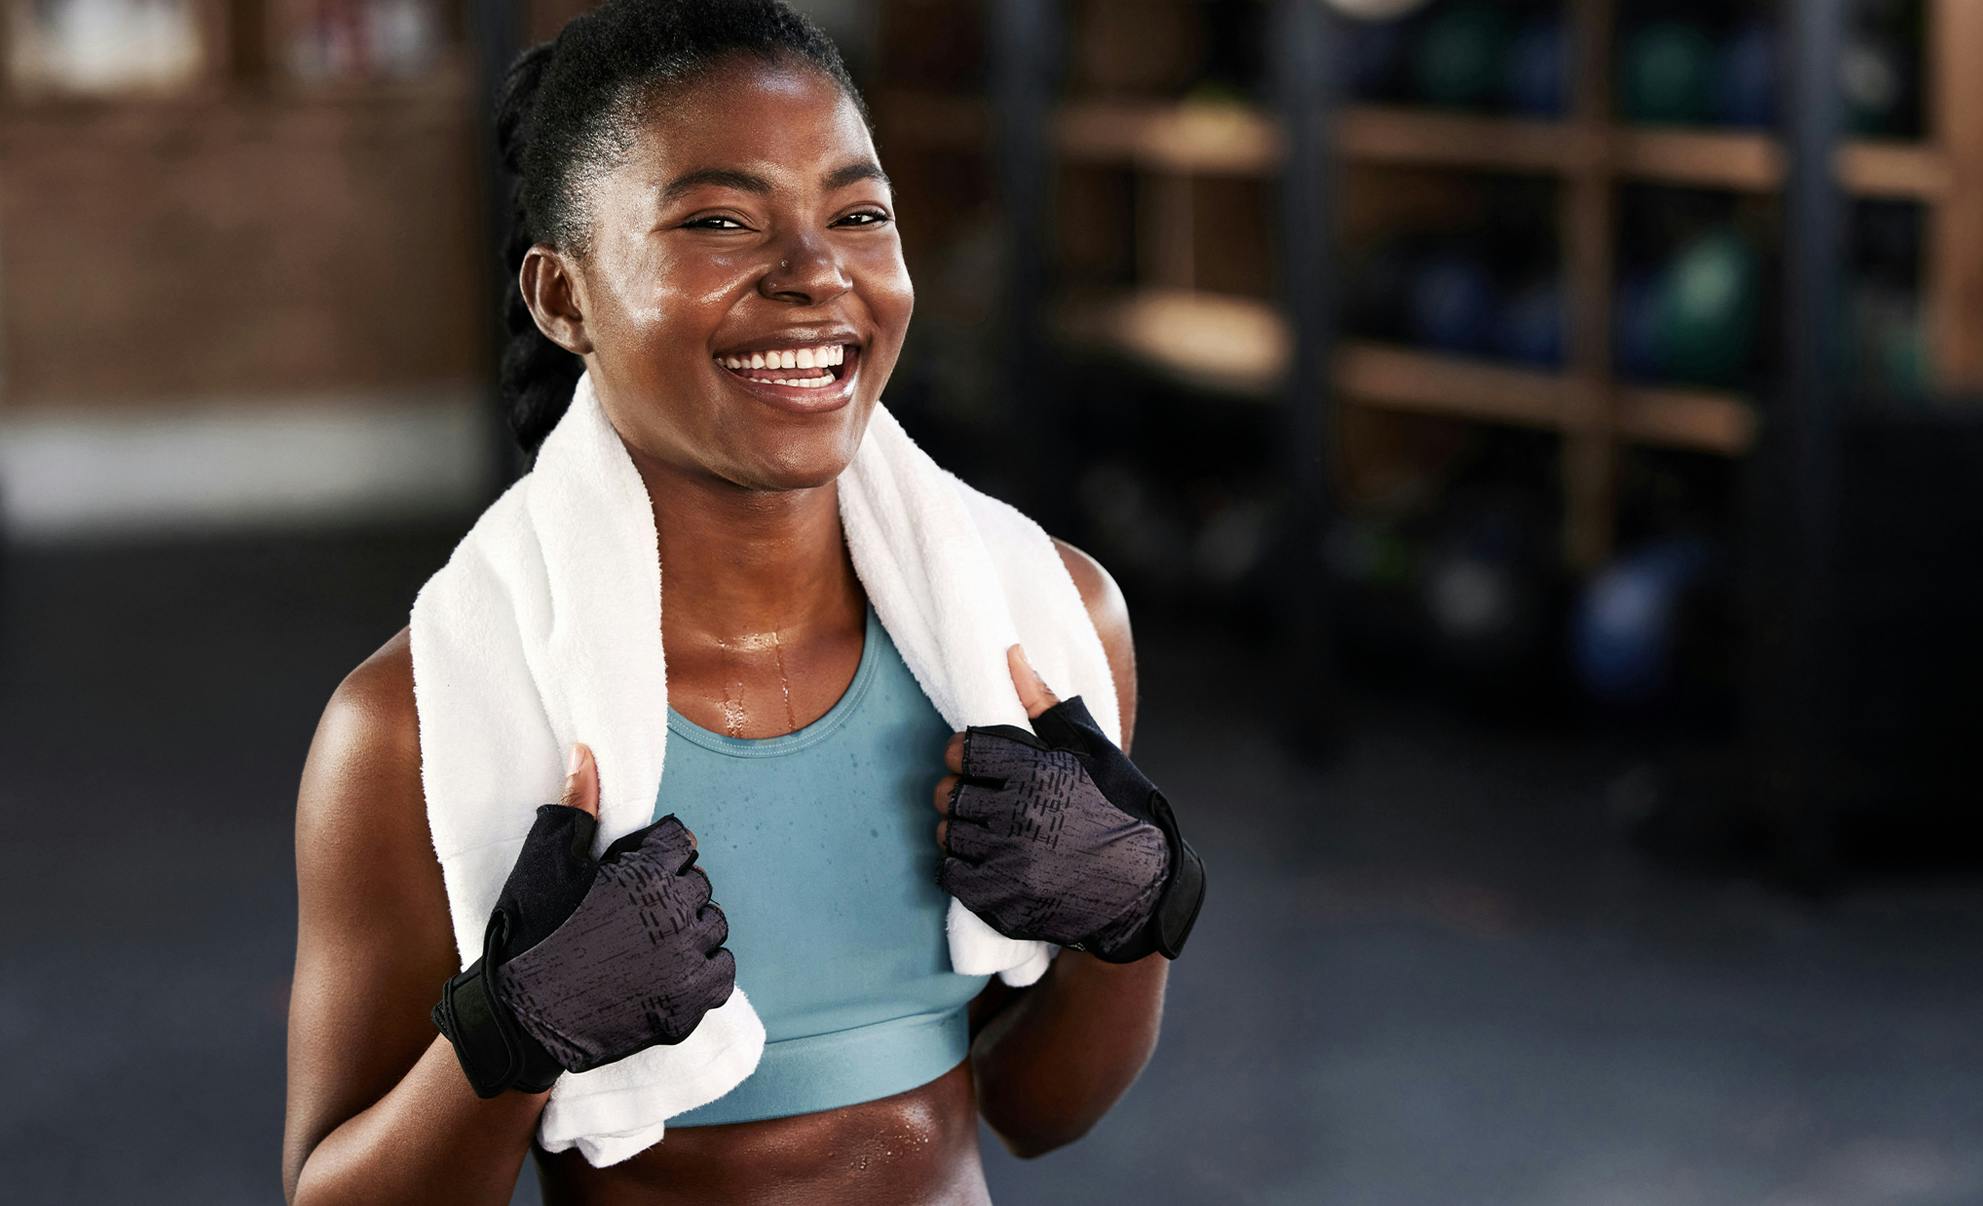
(1055, 834)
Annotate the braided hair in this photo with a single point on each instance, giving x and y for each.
(567, 111)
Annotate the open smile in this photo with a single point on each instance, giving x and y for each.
(804, 379)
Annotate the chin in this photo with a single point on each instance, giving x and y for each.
(802, 463)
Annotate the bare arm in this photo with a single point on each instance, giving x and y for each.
(1052, 1058)
(378, 1108)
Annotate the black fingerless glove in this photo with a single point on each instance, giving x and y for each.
(584, 963)
(1056, 835)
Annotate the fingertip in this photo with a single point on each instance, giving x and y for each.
(1034, 694)
(581, 780)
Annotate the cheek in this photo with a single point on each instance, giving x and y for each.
(691, 294)
(713, 283)
(890, 294)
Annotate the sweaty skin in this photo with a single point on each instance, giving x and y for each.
(746, 508)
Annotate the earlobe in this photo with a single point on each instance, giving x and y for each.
(550, 291)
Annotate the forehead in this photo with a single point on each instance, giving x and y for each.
(769, 113)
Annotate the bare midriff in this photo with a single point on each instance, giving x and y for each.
(919, 1146)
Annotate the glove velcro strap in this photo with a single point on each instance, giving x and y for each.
(1177, 906)
(466, 1016)
(495, 1052)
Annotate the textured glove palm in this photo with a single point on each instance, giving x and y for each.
(1056, 835)
(584, 963)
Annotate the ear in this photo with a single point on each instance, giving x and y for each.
(556, 297)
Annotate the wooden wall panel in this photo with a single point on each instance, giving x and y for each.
(193, 250)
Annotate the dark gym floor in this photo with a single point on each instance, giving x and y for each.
(1430, 975)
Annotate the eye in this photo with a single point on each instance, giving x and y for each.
(706, 223)
(868, 217)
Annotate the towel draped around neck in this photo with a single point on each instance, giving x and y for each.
(544, 628)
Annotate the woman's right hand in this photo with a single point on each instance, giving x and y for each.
(585, 963)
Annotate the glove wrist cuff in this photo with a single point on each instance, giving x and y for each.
(495, 1052)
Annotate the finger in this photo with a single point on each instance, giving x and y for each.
(974, 803)
(701, 892)
(581, 780)
(946, 788)
(667, 841)
(966, 881)
(953, 752)
(722, 973)
(1033, 690)
(964, 840)
(715, 927)
(998, 752)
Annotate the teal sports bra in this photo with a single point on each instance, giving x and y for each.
(821, 849)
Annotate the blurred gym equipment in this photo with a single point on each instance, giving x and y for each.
(1668, 74)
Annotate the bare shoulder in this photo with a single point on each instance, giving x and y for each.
(378, 692)
(369, 731)
(361, 808)
(1110, 613)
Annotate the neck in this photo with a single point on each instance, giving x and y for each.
(740, 565)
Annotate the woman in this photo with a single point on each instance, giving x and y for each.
(732, 207)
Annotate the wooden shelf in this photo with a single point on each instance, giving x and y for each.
(1400, 378)
(1734, 160)
(1904, 170)
(1407, 379)
(1197, 138)
(1400, 135)
(1187, 137)
(1704, 420)
(1241, 346)
(1756, 163)
(1236, 345)
(1222, 138)
(1741, 161)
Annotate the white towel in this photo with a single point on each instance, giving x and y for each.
(544, 628)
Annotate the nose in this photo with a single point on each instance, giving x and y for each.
(807, 273)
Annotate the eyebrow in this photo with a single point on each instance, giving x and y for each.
(749, 182)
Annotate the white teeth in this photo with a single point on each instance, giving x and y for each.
(797, 358)
(801, 382)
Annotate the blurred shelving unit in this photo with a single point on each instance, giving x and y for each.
(1240, 345)
(1140, 158)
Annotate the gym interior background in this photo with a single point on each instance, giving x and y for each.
(1540, 443)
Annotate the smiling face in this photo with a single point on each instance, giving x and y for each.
(748, 224)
